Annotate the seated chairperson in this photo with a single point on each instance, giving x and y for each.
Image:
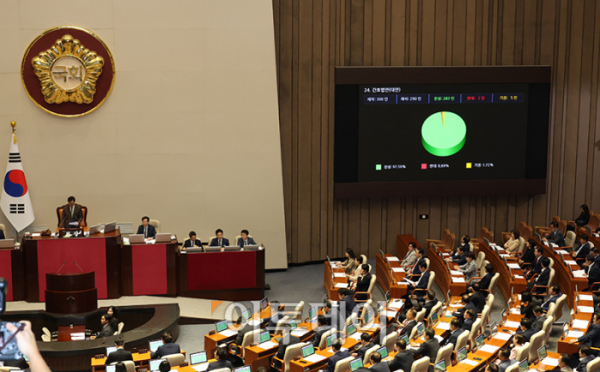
(542, 279)
(536, 265)
(468, 320)
(430, 303)
(245, 239)
(338, 355)
(504, 360)
(592, 271)
(421, 284)
(528, 303)
(478, 298)
(416, 270)
(364, 282)
(145, 228)
(526, 330)
(592, 337)
(411, 256)
(322, 328)
(583, 250)
(72, 214)
(555, 294)
(402, 314)
(455, 331)
(513, 244)
(107, 331)
(430, 347)
(403, 359)
(192, 241)
(365, 344)
(167, 348)
(466, 300)
(376, 363)
(519, 341)
(529, 254)
(221, 362)
(286, 340)
(409, 323)
(584, 217)
(485, 282)
(540, 318)
(219, 241)
(346, 302)
(119, 355)
(556, 236)
(459, 258)
(586, 355)
(469, 269)
(564, 362)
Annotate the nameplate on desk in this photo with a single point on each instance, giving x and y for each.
(100, 356)
(143, 351)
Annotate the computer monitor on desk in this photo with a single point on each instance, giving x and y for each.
(153, 345)
(111, 368)
(95, 229)
(112, 226)
(264, 303)
(110, 349)
(7, 243)
(212, 249)
(356, 364)
(197, 358)
(250, 248)
(231, 248)
(163, 238)
(136, 238)
(155, 364)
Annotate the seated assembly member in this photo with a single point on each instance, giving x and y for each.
(119, 355)
(72, 214)
(245, 239)
(221, 362)
(192, 241)
(145, 228)
(219, 241)
(106, 330)
(167, 348)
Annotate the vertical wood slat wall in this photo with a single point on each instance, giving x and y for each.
(314, 36)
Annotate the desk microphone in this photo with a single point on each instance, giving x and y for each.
(78, 266)
(63, 265)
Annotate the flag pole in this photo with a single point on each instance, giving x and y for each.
(13, 124)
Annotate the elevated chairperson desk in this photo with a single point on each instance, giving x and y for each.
(12, 269)
(149, 269)
(229, 276)
(100, 253)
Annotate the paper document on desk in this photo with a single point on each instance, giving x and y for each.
(341, 285)
(470, 362)
(457, 304)
(339, 275)
(550, 361)
(519, 297)
(356, 336)
(575, 334)
(392, 258)
(505, 255)
(443, 325)
(268, 345)
(315, 358)
(458, 280)
(254, 322)
(397, 269)
(585, 309)
(228, 333)
(519, 277)
(561, 251)
(457, 273)
(579, 274)
(201, 367)
(514, 266)
(515, 310)
(299, 332)
(511, 324)
(409, 281)
(446, 254)
(503, 336)
(554, 245)
(151, 241)
(439, 338)
(586, 298)
(581, 324)
(330, 350)
(391, 313)
(396, 304)
(489, 349)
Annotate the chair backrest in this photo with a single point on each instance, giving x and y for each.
(156, 224)
(130, 365)
(46, 338)
(414, 332)
(292, 352)
(493, 287)
(280, 324)
(343, 365)
(570, 238)
(513, 368)
(594, 221)
(353, 318)
(249, 338)
(551, 279)
(461, 340)
(427, 262)
(364, 258)
(431, 279)
(46, 331)
(593, 365)
(120, 327)
(474, 331)
(485, 313)
(299, 310)
(551, 264)
(524, 352)
(521, 244)
(490, 300)
(372, 284)
(421, 315)
(560, 303)
(562, 225)
(368, 353)
(536, 341)
(547, 328)
(323, 342)
(390, 340)
(551, 309)
(445, 353)
(420, 365)
(480, 259)
(175, 359)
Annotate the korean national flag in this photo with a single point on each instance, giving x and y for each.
(15, 201)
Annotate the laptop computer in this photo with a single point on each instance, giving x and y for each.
(163, 238)
(231, 248)
(388, 296)
(136, 238)
(221, 326)
(7, 243)
(264, 303)
(350, 330)
(293, 324)
(95, 229)
(111, 226)
(356, 364)
(242, 369)
(462, 354)
(110, 349)
(330, 340)
(523, 366)
(214, 248)
(251, 248)
(111, 368)
(434, 319)
(198, 358)
(264, 337)
(246, 314)
(405, 338)
(367, 317)
(383, 351)
(155, 364)
(420, 329)
(308, 350)
(440, 366)
(480, 340)
(542, 352)
(153, 345)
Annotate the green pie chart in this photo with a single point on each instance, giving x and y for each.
(443, 133)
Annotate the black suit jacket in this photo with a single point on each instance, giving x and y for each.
(120, 355)
(363, 283)
(538, 323)
(360, 353)
(240, 336)
(319, 334)
(557, 238)
(336, 358)
(66, 217)
(593, 273)
(428, 306)
(429, 349)
(529, 255)
(380, 367)
(403, 360)
(106, 331)
(240, 242)
(452, 339)
(220, 364)
(527, 311)
(546, 305)
(284, 343)
(478, 299)
(542, 279)
(460, 313)
(166, 349)
(151, 231)
(459, 259)
(583, 251)
(536, 267)
(408, 328)
(528, 333)
(592, 338)
(188, 243)
(485, 282)
(350, 305)
(467, 325)
(417, 269)
(215, 242)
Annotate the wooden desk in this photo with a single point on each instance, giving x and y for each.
(563, 342)
(329, 281)
(305, 366)
(537, 365)
(390, 281)
(138, 359)
(149, 269)
(64, 333)
(12, 269)
(506, 282)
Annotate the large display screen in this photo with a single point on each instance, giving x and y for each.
(441, 131)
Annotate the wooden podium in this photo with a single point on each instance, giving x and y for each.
(71, 293)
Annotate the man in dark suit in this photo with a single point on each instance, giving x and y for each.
(346, 303)
(505, 362)
(409, 323)
(192, 241)
(556, 236)
(146, 229)
(528, 303)
(582, 251)
(276, 315)
(586, 355)
(219, 241)
(321, 329)
(390, 327)
(468, 320)
(334, 318)
(542, 279)
(431, 302)
(430, 347)
(592, 271)
(485, 282)
(106, 330)
(478, 298)
(466, 300)
(338, 355)
(72, 214)
(363, 282)
(459, 258)
(403, 359)
(286, 340)
(377, 365)
(245, 239)
(555, 294)
(365, 344)
(525, 329)
(416, 270)
(420, 284)
(242, 331)
(540, 318)
(592, 337)
(221, 362)
(455, 331)
(596, 254)
(119, 355)
(536, 265)
(167, 348)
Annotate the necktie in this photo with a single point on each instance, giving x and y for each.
(145, 232)
(71, 211)
(220, 242)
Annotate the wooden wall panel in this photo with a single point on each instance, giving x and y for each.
(314, 36)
